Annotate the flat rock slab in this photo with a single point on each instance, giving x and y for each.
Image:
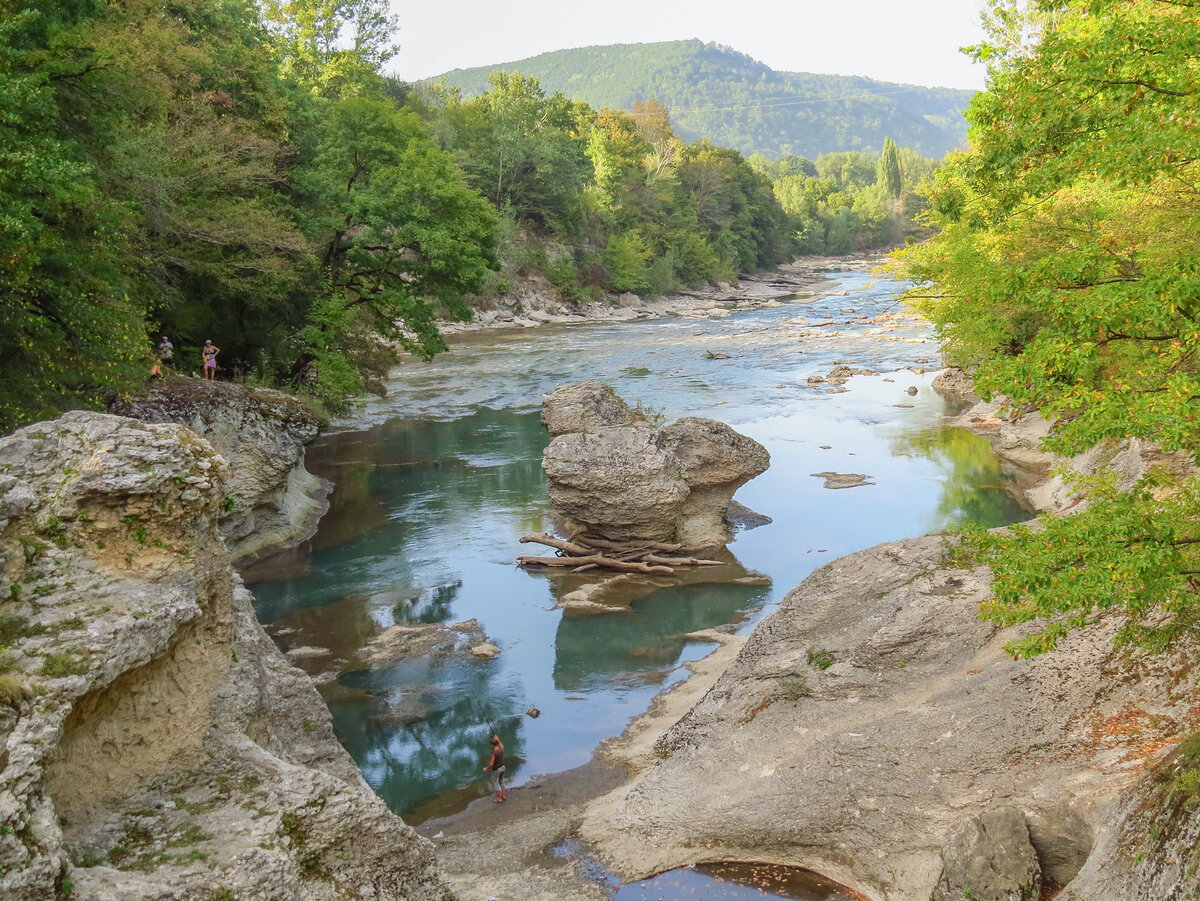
(843, 479)
(869, 718)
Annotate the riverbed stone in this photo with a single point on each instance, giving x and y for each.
(835, 480)
(990, 858)
(955, 383)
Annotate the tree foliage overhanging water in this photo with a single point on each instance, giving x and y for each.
(1066, 273)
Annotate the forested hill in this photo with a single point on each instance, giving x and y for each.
(735, 101)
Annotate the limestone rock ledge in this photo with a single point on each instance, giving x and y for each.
(874, 717)
(272, 500)
(154, 744)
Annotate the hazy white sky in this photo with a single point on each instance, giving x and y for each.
(915, 42)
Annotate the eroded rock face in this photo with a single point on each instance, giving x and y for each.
(1147, 848)
(583, 406)
(874, 714)
(157, 745)
(989, 858)
(271, 501)
(613, 475)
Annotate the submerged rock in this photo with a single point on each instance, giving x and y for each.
(741, 518)
(843, 479)
(409, 641)
(614, 474)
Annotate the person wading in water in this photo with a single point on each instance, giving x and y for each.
(496, 765)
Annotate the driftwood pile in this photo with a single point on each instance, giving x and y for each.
(584, 552)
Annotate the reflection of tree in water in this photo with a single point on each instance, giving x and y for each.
(432, 605)
(392, 482)
(592, 649)
(976, 489)
(422, 727)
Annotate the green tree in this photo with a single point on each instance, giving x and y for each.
(887, 171)
(1066, 274)
(521, 149)
(850, 170)
(620, 157)
(333, 47)
(71, 330)
(626, 257)
(402, 236)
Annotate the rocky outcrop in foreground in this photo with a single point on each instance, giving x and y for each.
(613, 474)
(874, 730)
(271, 501)
(156, 744)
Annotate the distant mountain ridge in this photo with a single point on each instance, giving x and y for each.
(735, 101)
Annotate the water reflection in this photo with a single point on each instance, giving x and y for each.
(736, 882)
(433, 496)
(976, 487)
(590, 650)
(418, 728)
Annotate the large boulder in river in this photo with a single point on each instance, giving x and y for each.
(716, 461)
(616, 482)
(613, 474)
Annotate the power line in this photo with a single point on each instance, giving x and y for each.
(780, 102)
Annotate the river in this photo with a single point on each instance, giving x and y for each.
(436, 483)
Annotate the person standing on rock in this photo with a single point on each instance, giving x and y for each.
(166, 353)
(496, 765)
(209, 354)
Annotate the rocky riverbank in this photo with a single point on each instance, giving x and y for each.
(271, 501)
(155, 742)
(157, 745)
(534, 307)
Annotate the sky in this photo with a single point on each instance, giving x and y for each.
(914, 42)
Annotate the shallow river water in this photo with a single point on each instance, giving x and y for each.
(436, 483)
